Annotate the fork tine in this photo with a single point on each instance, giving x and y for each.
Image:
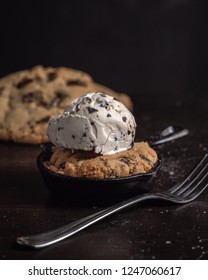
(196, 189)
(196, 179)
(179, 188)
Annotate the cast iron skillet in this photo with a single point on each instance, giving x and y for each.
(100, 192)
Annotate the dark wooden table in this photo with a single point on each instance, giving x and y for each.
(146, 231)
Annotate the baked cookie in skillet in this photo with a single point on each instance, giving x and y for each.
(29, 98)
(141, 158)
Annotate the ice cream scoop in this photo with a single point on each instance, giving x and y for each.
(94, 122)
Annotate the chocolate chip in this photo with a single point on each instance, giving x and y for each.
(60, 128)
(102, 94)
(75, 83)
(125, 160)
(91, 110)
(52, 76)
(146, 159)
(28, 97)
(129, 132)
(43, 120)
(124, 119)
(73, 136)
(87, 99)
(62, 166)
(23, 82)
(84, 134)
(59, 97)
(77, 107)
(108, 115)
(112, 173)
(116, 139)
(104, 104)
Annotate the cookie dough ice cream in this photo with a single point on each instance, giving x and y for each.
(94, 122)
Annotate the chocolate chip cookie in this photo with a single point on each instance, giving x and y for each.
(29, 98)
(141, 158)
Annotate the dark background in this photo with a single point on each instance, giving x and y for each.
(156, 51)
(129, 45)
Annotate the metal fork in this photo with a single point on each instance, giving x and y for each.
(186, 191)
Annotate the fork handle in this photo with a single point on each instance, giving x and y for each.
(50, 237)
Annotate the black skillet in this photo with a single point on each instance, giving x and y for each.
(99, 192)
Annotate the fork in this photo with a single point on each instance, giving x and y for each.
(185, 191)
